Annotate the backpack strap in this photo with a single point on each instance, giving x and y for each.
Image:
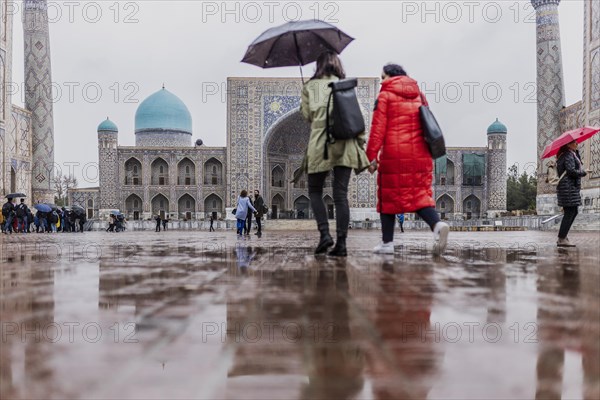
(327, 127)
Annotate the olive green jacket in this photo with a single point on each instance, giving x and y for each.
(346, 153)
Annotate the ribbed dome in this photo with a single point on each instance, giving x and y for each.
(497, 127)
(107, 126)
(163, 111)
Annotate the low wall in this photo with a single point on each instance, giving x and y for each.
(583, 222)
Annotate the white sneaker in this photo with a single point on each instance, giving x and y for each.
(384, 248)
(440, 235)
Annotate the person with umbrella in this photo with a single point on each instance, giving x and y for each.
(343, 155)
(568, 190)
(569, 168)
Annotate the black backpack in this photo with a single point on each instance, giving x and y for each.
(348, 121)
(6, 209)
(21, 210)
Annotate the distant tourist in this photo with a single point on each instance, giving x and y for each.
(401, 222)
(157, 219)
(165, 221)
(211, 229)
(259, 204)
(398, 151)
(322, 156)
(248, 224)
(8, 212)
(241, 211)
(568, 190)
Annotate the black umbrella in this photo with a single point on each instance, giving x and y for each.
(15, 195)
(295, 43)
(78, 210)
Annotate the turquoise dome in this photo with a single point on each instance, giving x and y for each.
(107, 126)
(497, 127)
(163, 111)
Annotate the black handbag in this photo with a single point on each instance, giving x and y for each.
(432, 132)
(348, 121)
(234, 211)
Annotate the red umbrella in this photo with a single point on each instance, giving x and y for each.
(579, 135)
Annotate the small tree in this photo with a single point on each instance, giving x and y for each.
(62, 185)
(521, 190)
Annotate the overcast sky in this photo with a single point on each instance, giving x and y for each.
(477, 60)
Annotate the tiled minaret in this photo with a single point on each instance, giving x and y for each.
(550, 94)
(38, 96)
(496, 168)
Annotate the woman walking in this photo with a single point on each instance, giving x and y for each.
(342, 156)
(397, 149)
(241, 214)
(568, 190)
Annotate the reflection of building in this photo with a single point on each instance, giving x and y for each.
(266, 141)
(553, 117)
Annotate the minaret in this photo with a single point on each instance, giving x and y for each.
(108, 135)
(38, 97)
(496, 165)
(550, 94)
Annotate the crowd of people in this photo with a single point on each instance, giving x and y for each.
(19, 218)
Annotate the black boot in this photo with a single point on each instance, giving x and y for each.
(325, 242)
(340, 248)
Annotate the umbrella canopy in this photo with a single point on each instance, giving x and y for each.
(295, 43)
(15, 195)
(78, 209)
(43, 207)
(579, 135)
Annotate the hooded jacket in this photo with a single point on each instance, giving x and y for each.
(404, 179)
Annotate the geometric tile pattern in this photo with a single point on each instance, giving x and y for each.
(262, 114)
(496, 168)
(550, 87)
(38, 94)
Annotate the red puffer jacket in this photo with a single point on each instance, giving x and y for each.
(396, 140)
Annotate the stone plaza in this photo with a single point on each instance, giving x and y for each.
(208, 316)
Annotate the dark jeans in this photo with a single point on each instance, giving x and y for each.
(388, 221)
(258, 224)
(567, 221)
(341, 178)
(248, 225)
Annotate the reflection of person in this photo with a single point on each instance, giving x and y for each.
(336, 361)
(402, 318)
(397, 149)
(322, 156)
(568, 190)
(555, 282)
(244, 256)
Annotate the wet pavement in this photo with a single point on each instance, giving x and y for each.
(195, 315)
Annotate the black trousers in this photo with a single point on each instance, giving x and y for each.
(341, 179)
(388, 221)
(567, 221)
(248, 225)
(258, 223)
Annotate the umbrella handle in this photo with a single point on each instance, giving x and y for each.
(299, 57)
